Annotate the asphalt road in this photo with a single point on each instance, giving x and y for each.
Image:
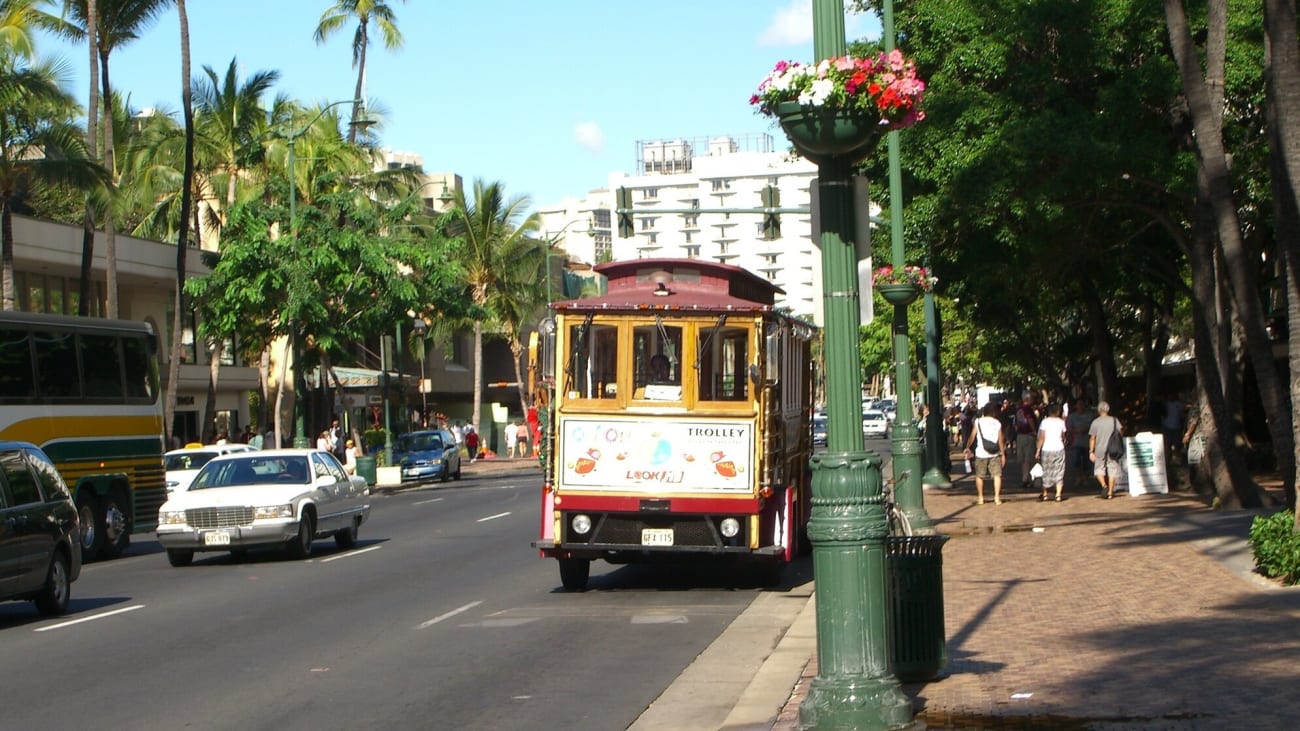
(441, 617)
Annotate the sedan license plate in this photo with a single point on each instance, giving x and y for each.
(216, 538)
(656, 536)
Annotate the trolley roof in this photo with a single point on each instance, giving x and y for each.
(678, 284)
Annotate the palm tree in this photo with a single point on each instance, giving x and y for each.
(40, 146)
(18, 18)
(363, 11)
(119, 22)
(182, 236)
(494, 234)
(92, 137)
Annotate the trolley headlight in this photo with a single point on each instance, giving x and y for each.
(581, 524)
(272, 511)
(730, 527)
(171, 517)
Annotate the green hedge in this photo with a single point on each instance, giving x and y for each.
(1276, 546)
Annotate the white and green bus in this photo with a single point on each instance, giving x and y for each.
(86, 390)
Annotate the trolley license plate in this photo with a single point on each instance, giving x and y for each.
(216, 538)
(656, 536)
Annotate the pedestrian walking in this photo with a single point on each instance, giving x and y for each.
(471, 442)
(1050, 452)
(1076, 440)
(1025, 421)
(989, 447)
(512, 437)
(1105, 464)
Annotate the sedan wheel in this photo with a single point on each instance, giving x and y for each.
(54, 596)
(347, 538)
(180, 557)
(299, 546)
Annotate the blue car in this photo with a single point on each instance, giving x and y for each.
(427, 455)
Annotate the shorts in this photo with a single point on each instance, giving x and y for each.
(1107, 466)
(988, 467)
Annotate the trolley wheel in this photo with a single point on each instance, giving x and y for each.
(574, 573)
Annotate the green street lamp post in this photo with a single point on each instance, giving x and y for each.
(299, 427)
(854, 688)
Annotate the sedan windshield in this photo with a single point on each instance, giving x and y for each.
(291, 470)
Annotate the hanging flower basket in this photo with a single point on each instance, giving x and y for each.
(841, 106)
(902, 285)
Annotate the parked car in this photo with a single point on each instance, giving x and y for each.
(182, 465)
(819, 431)
(264, 498)
(874, 424)
(427, 455)
(40, 546)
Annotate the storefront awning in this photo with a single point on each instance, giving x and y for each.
(358, 378)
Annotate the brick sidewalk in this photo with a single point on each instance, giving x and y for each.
(1096, 614)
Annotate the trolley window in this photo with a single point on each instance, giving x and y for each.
(591, 370)
(723, 363)
(657, 362)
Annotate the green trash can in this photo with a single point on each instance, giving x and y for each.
(366, 469)
(918, 649)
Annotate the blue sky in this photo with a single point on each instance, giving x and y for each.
(546, 97)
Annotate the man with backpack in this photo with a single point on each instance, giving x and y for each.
(1106, 448)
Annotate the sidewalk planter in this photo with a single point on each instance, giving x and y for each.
(918, 648)
(366, 469)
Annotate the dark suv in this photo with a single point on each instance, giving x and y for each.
(427, 455)
(40, 554)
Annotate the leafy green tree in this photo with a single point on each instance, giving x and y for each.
(494, 233)
(40, 147)
(364, 12)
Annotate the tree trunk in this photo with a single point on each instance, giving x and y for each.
(517, 350)
(210, 403)
(84, 288)
(110, 228)
(478, 378)
(1206, 120)
(358, 99)
(7, 255)
(279, 392)
(1282, 97)
(182, 236)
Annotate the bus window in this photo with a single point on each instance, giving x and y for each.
(139, 369)
(16, 382)
(592, 370)
(723, 364)
(56, 364)
(657, 362)
(103, 364)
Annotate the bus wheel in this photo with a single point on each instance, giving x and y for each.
(92, 535)
(113, 523)
(574, 573)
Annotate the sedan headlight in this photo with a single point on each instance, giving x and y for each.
(171, 517)
(272, 511)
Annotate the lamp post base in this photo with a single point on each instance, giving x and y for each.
(860, 704)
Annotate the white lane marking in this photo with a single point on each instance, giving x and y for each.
(92, 617)
(349, 554)
(426, 502)
(492, 517)
(448, 615)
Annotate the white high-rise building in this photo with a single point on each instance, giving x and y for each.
(703, 199)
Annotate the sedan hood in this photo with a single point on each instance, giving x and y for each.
(221, 497)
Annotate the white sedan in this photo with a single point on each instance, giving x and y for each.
(270, 498)
(875, 424)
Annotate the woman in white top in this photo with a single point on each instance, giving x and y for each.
(350, 455)
(1051, 451)
(988, 463)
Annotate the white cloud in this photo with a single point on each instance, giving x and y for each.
(792, 25)
(590, 136)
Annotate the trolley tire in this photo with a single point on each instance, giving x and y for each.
(574, 573)
(91, 533)
(53, 598)
(299, 547)
(180, 557)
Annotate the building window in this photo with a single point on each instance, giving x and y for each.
(691, 220)
(721, 185)
(648, 222)
(651, 194)
(690, 236)
(693, 252)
